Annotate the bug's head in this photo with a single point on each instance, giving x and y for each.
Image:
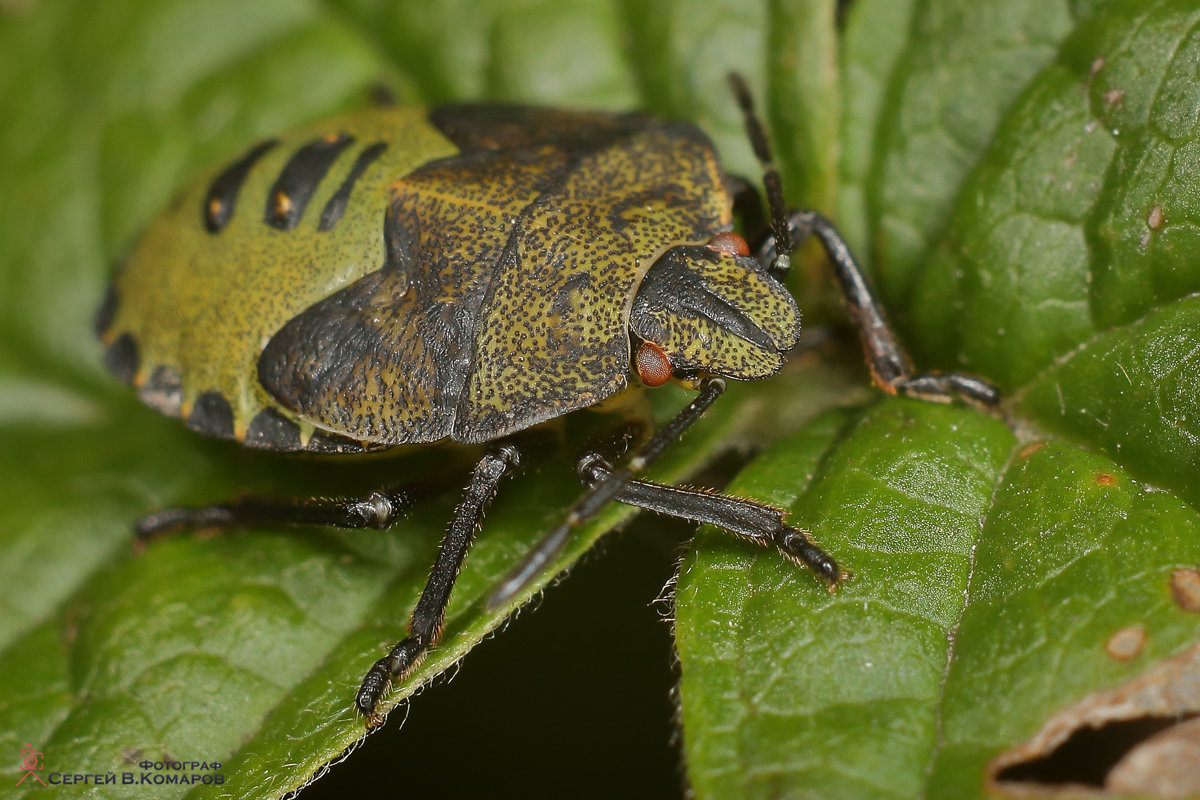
(711, 310)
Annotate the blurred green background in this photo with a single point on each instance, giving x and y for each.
(996, 163)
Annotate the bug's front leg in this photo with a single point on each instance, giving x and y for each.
(757, 522)
(889, 363)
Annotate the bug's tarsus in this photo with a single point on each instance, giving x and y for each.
(780, 230)
(757, 522)
(379, 509)
(425, 626)
(944, 386)
(602, 493)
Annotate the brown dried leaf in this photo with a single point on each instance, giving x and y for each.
(1164, 763)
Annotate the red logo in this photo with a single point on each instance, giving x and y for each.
(31, 764)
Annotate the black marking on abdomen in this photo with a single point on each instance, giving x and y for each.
(163, 391)
(298, 182)
(270, 430)
(337, 204)
(223, 193)
(123, 359)
(212, 415)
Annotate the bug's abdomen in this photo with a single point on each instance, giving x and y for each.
(243, 251)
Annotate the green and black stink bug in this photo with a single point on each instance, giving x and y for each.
(403, 277)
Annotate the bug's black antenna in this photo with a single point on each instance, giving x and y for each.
(780, 230)
(602, 493)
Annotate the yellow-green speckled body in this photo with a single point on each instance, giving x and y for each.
(400, 276)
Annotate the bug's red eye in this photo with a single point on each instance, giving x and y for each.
(653, 366)
(730, 242)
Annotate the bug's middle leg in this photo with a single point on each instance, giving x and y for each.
(425, 626)
(758, 522)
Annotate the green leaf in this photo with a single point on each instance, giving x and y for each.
(246, 648)
(963, 64)
(1004, 583)
(1027, 270)
(954, 639)
(1132, 393)
(875, 38)
(1051, 603)
(856, 674)
(999, 162)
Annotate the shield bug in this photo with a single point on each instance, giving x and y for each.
(403, 277)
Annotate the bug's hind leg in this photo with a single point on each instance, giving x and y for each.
(377, 510)
(889, 363)
(425, 627)
(757, 522)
